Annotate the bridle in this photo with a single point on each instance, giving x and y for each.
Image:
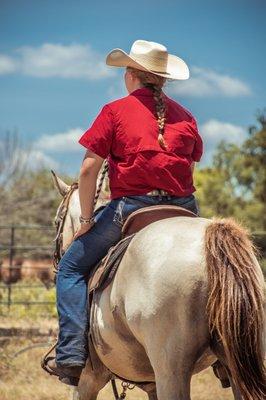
(59, 223)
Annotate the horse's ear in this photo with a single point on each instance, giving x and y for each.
(60, 185)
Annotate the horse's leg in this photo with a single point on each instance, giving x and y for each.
(91, 382)
(93, 378)
(152, 395)
(173, 381)
(236, 392)
(218, 350)
(150, 390)
(173, 362)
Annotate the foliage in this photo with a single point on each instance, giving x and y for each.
(236, 183)
(27, 196)
(32, 293)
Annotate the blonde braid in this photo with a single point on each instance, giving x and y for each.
(155, 83)
(160, 110)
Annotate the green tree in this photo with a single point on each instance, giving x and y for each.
(236, 183)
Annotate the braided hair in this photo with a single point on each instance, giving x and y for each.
(155, 83)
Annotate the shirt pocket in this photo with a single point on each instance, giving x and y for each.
(180, 142)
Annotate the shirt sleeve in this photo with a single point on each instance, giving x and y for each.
(98, 138)
(198, 147)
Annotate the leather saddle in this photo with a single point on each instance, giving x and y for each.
(105, 270)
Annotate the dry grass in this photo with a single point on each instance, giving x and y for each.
(26, 381)
(22, 378)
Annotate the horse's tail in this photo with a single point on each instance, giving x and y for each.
(235, 305)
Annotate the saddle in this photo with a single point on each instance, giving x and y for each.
(105, 270)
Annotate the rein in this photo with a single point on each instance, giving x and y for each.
(58, 253)
(60, 222)
(62, 213)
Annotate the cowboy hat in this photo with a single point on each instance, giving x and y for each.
(152, 57)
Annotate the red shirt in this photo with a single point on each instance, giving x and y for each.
(126, 132)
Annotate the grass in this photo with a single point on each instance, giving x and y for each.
(22, 378)
(34, 292)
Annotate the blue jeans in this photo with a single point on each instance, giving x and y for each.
(77, 263)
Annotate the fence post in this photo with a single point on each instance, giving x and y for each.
(11, 258)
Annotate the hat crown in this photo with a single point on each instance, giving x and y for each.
(143, 47)
(152, 55)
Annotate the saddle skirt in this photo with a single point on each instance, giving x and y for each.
(105, 270)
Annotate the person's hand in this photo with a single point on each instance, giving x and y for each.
(82, 229)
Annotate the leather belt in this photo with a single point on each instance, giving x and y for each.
(158, 192)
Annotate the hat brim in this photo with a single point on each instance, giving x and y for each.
(176, 67)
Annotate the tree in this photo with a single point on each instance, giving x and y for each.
(236, 183)
(13, 158)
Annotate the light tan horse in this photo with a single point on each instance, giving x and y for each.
(188, 291)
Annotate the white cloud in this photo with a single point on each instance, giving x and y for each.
(7, 65)
(61, 142)
(36, 159)
(206, 82)
(83, 62)
(117, 90)
(57, 60)
(21, 157)
(213, 131)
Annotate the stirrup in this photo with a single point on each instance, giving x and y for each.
(45, 359)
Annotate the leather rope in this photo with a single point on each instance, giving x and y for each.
(58, 255)
(99, 188)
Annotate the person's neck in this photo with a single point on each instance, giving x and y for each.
(136, 86)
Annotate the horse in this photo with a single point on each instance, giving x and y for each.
(188, 292)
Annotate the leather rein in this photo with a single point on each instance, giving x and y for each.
(59, 223)
(58, 253)
(62, 213)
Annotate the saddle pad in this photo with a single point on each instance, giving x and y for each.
(105, 270)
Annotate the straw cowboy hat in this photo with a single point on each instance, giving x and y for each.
(152, 57)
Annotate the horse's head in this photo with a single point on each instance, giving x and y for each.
(67, 215)
(68, 212)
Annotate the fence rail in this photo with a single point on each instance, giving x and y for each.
(7, 271)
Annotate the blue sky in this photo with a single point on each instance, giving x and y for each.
(54, 81)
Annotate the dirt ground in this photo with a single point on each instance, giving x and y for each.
(21, 377)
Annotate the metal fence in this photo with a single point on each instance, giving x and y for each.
(13, 249)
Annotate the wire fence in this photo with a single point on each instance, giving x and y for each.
(14, 257)
(23, 270)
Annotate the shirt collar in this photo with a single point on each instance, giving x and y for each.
(144, 91)
(141, 92)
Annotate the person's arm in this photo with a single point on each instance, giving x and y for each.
(89, 171)
(192, 166)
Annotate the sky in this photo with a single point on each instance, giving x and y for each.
(54, 80)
